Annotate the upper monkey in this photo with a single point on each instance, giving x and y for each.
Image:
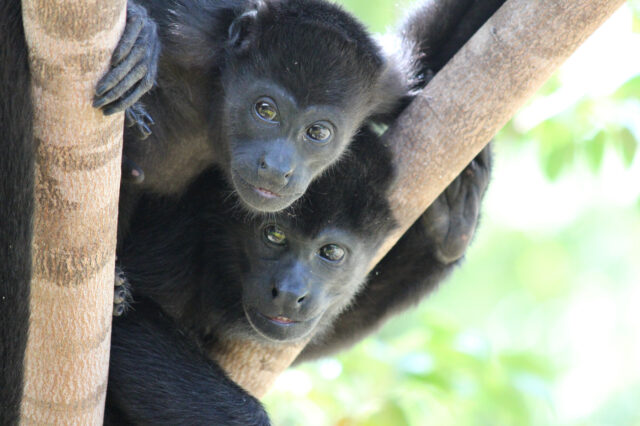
(271, 92)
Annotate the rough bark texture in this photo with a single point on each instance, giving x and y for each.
(461, 109)
(77, 180)
(255, 366)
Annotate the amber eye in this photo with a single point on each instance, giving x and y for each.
(266, 110)
(319, 132)
(275, 235)
(332, 252)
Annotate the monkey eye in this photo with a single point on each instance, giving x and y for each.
(319, 132)
(266, 110)
(331, 252)
(275, 235)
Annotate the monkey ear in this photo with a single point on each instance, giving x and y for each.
(242, 29)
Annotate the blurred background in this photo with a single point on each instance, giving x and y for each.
(541, 324)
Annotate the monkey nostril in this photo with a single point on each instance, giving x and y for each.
(263, 164)
(301, 299)
(274, 292)
(288, 175)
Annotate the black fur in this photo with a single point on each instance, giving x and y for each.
(425, 255)
(201, 258)
(17, 149)
(196, 259)
(16, 207)
(191, 256)
(153, 365)
(429, 250)
(218, 58)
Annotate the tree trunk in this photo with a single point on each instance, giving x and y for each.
(456, 115)
(77, 181)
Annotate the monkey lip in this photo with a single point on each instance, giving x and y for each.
(260, 198)
(279, 328)
(281, 320)
(265, 192)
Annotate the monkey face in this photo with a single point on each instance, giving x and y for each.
(276, 145)
(288, 115)
(296, 282)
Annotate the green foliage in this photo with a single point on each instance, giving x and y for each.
(634, 5)
(586, 130)
(378, 17)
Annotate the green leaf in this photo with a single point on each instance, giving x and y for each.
(557, 159)
(390, 414)
(629, 90)
(550, 86)
(594, 149)
(634, 5)
(628, 145)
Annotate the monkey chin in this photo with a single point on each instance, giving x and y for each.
(279, 329)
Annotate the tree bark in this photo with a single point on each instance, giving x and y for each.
(77, 181)
(456, 115)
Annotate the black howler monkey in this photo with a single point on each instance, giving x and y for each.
(271, 92)
(202, 269)
(216, 272)
(134, 64)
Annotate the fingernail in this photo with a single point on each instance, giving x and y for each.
(101, 89)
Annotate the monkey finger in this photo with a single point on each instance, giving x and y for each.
(120, 73)
(130, 99)
(130, 117)
(132, 78)
(141, 115)
(118, 309)
(119, 278)
(135, 23)
(136, 116)
(119, 295)
(144, 130)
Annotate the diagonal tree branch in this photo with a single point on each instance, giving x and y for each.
(456, 115)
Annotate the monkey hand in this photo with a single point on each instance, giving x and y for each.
(451, 219)
(134, 65)
(121, 293)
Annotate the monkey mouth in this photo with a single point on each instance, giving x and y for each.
(280, 320)
(279, 328)
(260, 198)
(265, 192)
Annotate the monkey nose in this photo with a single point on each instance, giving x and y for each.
(289, 298)
(275, 170)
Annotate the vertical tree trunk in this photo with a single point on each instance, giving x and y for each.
(77, 180)
(456, 115)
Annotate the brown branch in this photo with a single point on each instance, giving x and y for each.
(461, 109)
(77, 181)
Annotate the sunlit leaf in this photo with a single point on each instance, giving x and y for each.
(628, 145)
(554, 162)
(634, 5)
(390, 414)
(527, 362)
(594, 149)
(629, 90)
(379, 17)
(550, 86)
(435, 379)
